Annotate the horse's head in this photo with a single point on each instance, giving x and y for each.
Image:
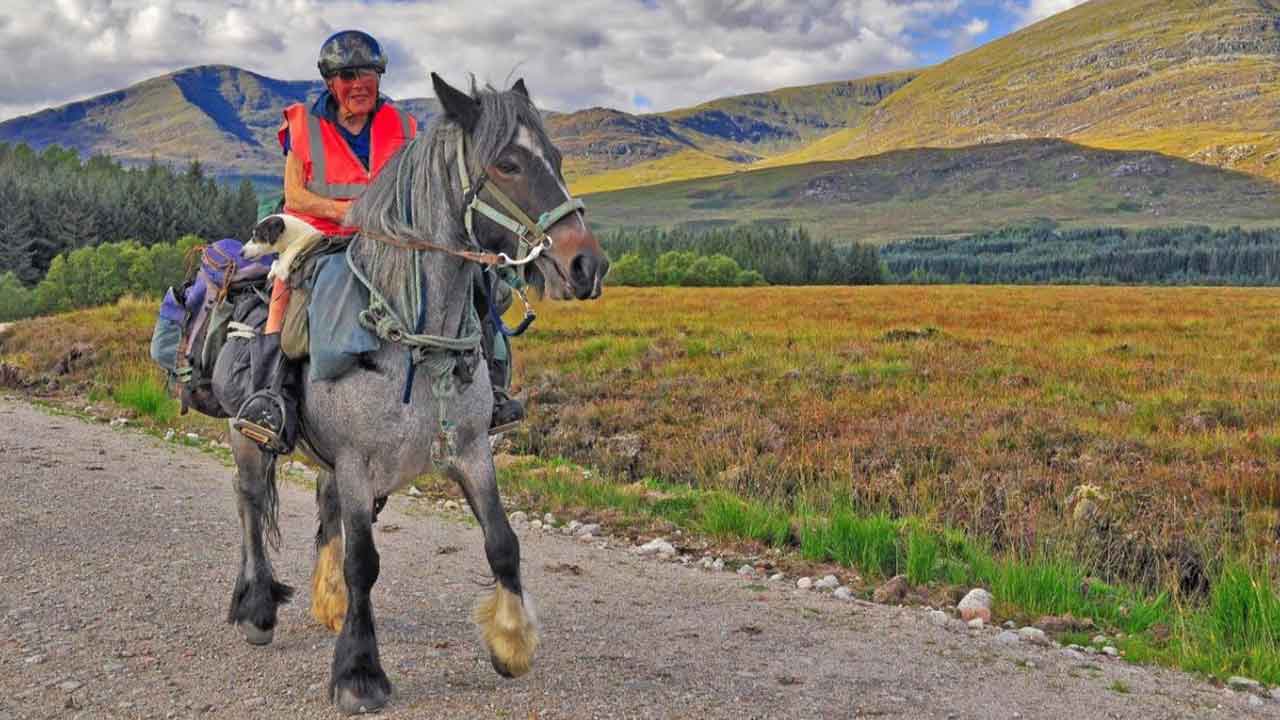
(517, 160)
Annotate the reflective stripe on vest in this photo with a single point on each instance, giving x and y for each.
(318, 182)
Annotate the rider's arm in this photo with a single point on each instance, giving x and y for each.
(299, 199)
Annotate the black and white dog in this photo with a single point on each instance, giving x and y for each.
(283, 234)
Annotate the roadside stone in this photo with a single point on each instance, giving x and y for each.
(894, 591)
(1110, 651)
(1244, 684)
(1034, 635)
(589, 529)
(119, 422)
(828, 582)
(805, 583)
(1074, 654)
(976, 604)
(572, 527)
(843, 593)
(71, 685)
(549, 520)
(1008, 637)
(657, 546)
(976, 624)
(518, 517)
(1063, 623)
(1010, 625)
(194, 438)
(34, 660)
(717, 565)
(777, 577)
(535, 524)
(451, 506)
(414, 491)
(1099, 640)
(587, 538)
(939, 618)
(746, 571)
(170, 435)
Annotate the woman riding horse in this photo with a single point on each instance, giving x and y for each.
(454, 202)
(333, 150)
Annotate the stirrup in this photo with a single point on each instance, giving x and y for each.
(513, 417)
(258, 426)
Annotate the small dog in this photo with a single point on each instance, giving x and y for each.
(283, 234)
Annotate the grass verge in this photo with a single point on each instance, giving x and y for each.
(1234, 630)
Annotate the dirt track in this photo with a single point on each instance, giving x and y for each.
(121, 549)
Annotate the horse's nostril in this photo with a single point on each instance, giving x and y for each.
(583, 270)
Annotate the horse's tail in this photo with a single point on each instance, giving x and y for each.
(271, 506)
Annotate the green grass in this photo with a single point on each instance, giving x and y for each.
(145, 393)
(724, 516)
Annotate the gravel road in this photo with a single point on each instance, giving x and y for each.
(120, 551)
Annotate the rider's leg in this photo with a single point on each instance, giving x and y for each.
(507, 411)
(269, 415)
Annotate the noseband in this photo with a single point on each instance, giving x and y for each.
(522, 226)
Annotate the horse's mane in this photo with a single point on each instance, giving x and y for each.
(417, 195)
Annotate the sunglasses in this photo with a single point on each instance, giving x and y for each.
(353, 74)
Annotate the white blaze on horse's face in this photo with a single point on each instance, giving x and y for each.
(525, 139)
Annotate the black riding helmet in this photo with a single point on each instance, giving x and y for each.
(348, 50)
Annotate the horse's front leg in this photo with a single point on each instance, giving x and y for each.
(357, 683)
(506, 618)
(257, 595)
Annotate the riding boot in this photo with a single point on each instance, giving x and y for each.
(269, 415)
(507, 411)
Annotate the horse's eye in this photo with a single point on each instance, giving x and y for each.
(508, 168)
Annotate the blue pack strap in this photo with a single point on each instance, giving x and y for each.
(496, 317)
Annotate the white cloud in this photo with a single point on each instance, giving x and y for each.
(1036, 10)
(597, 52)
(976, 27)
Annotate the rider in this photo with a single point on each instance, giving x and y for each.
(332, 151)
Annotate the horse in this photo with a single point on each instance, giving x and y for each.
(425, 229)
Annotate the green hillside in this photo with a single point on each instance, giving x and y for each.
(1192, 78)
(225, 117)
(908, 193)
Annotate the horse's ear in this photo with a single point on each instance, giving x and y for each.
(520, 88)
(456, 104)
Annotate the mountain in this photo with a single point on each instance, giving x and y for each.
(1195, 79)
(227, 118)
(951, 191)
(223, 116)
(609, 149)
(1192, 79)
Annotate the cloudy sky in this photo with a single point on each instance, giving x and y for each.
(636, 55)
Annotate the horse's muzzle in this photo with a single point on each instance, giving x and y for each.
(578, 255)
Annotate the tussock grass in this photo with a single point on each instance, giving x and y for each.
(146, 393)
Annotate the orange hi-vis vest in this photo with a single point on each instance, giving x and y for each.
(332, 169)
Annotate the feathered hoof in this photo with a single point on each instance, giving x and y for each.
(255, 635)
(328, 588)
(509, 630)
(349, 703)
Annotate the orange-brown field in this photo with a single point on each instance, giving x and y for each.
(1032, 440)
(984, 408)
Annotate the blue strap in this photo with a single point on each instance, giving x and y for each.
(496, 317)
(417, 328)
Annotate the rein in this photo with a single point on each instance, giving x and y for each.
(441, 354)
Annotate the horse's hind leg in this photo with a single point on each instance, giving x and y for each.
(257, 595)
(506, 618)
(328, 587)
(357, 682)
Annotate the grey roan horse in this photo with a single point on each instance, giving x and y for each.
(358, 423)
